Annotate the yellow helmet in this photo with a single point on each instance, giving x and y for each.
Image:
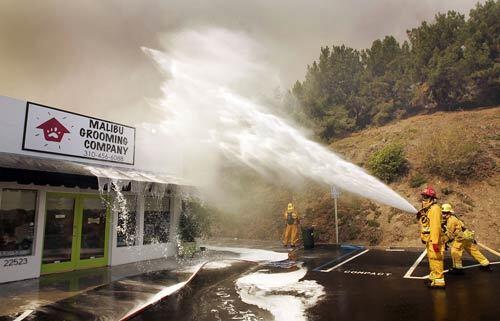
(446, 208)
(290, 206)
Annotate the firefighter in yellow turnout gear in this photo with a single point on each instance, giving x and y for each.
(430, 234)
(460, 239)
(292, 219)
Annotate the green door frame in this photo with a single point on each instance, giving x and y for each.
(76, 263)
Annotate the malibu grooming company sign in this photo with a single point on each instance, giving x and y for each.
(55, 131)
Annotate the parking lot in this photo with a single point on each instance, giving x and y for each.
(325, 283)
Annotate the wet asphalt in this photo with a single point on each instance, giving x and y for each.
(210, 296)
(359, 285)
(372, 287)
(369, 287)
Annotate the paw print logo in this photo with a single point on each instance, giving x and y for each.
(53, 130)
(54, 133)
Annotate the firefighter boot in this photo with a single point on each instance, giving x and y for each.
(436, 284)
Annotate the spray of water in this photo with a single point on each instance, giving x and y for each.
(208, 105)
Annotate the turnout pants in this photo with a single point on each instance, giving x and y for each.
(457, 250)
(436, 264)
(291, 234)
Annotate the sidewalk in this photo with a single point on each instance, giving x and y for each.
(19, 296)
(111, 291)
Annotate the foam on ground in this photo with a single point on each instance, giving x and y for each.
(214, 265)
(282, 294)
(254, 255)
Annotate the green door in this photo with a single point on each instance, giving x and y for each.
(76, 232)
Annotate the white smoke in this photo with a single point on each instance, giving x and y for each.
(212, 81)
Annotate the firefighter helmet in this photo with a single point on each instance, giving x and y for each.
(429, 192)
(446, 208)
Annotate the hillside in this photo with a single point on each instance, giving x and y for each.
(475, 197)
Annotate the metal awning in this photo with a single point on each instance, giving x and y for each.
(61, 168)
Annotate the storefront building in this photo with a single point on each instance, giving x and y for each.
(74, 196)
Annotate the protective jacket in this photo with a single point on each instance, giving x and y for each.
(292, 217)
(455, 229)
(462, 239)
(431, 236)
(430, 225)
(291, 233)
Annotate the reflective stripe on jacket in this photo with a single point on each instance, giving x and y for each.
(430, 225)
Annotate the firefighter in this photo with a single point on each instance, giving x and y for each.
(460, 238)
(292, 221)
(431, 235)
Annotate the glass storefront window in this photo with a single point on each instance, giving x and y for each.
(93, 229)
(127, 221)
(156, 220)
(17, 222)
(58, 236)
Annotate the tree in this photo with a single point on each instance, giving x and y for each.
(438, 57)
(447, 63)
(481, 53)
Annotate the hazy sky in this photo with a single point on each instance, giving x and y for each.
(85, 56)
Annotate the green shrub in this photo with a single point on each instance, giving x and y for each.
(384, 113)
(446, 190)
(389, 163)
(375, 237)
(391, 214)
(194, 220)
(417, 180)
(452, 153)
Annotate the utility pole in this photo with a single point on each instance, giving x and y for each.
(336, 194)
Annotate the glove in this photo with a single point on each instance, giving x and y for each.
(435, 247)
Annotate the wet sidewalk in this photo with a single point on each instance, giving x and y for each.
(19, 296)
(106, 293)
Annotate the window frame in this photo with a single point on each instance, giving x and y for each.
(36, 209)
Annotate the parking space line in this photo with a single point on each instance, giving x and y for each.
(408, 274)
(24, 315)
(414, 266)
(319, 268)
(489, 249)
(340, 264)
(395, 250)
